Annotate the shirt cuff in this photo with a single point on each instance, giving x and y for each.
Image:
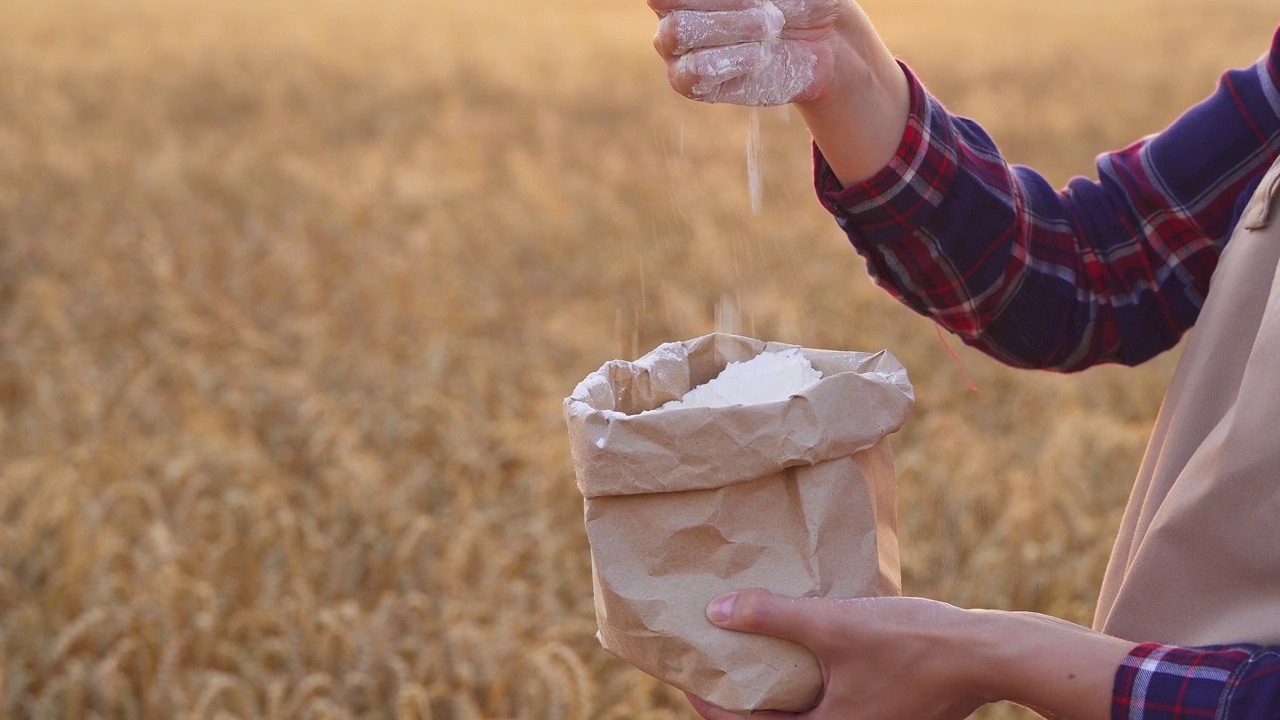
(1162, 682)
(899, 199)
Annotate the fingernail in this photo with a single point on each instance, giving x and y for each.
(721, 609)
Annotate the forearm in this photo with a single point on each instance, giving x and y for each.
(1058, 668)
(859, 121)
(1113, 270)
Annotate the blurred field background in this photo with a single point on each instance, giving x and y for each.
(290, 293)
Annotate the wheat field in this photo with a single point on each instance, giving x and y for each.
(290, 294)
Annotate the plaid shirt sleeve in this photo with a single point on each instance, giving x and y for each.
(1160, 682)
(1112, 270)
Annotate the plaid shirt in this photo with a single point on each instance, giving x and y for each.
(1114, 270)
(1159, 682)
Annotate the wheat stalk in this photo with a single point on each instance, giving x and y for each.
(280, 429)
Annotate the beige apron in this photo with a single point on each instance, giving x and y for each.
(1197, 561)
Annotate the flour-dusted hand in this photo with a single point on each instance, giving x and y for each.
(749, 52)
(913, 659)
(822, 55)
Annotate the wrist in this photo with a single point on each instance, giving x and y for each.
(860, 115)
(1045, 663)
(983, 650)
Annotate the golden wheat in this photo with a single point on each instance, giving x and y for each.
(290, 293)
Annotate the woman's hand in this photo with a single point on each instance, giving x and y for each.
(914, 659)
(822, 55)
(749, 52)
(880, 658)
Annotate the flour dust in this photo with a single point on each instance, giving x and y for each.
(755, 175)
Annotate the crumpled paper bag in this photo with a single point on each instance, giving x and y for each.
(683, 505)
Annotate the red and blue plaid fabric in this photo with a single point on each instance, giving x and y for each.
(1113, 270)
(1160, 682)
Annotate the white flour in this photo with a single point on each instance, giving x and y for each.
(694, 28)
(755, 177)
(768, 377)
(763, 73)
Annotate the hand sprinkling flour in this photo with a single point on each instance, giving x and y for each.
(747, 52)
(822, 55)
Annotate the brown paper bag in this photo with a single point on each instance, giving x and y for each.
(683, 505)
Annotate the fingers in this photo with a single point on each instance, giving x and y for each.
(683, 30)
(808, 622)
(700, 74)
(662, 7)
(709, 711)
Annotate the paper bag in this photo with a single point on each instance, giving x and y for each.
(683, 505)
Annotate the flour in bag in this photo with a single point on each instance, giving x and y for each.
(768, 377)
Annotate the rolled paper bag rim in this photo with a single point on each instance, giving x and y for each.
(623, 445)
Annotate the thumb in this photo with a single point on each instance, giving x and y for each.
(800, 620)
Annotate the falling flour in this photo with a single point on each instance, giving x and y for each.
(768, 377)
(755, 178)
